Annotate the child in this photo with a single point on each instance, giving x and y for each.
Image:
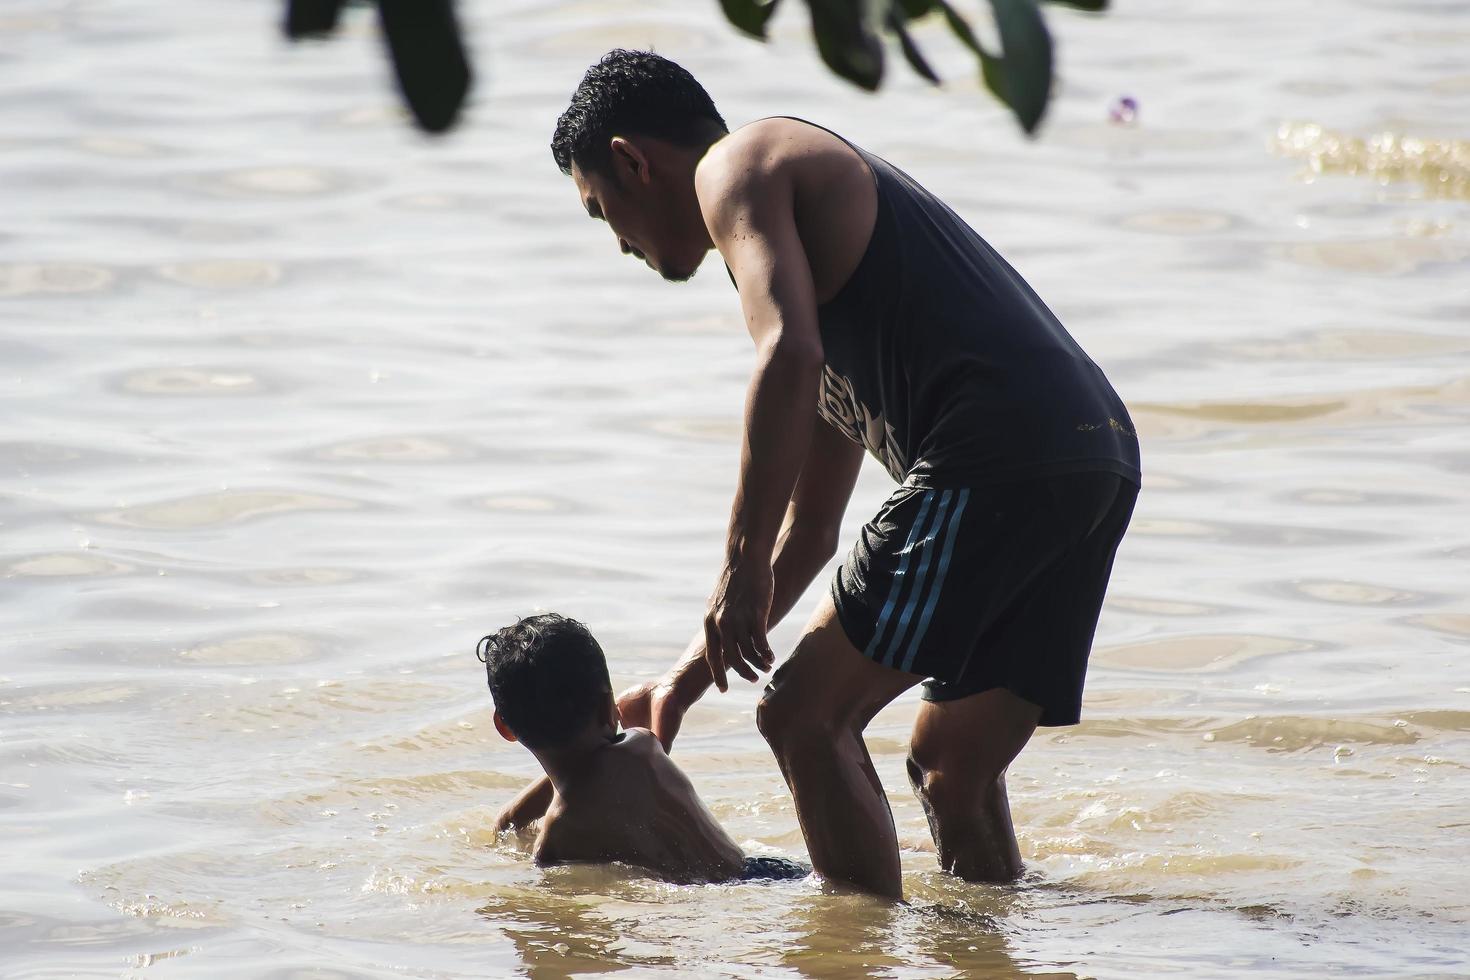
(615, 796)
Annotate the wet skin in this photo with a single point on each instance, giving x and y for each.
(612, 796)
(631, 803)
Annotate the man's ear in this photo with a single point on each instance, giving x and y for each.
(504, 729)
(629, 158)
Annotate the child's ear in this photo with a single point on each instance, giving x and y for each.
(504, 729)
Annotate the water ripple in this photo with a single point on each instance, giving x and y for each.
(222, 508)
(1199, 652)
(22, 280)
(229, 382)
(64, 564)
(223, 274)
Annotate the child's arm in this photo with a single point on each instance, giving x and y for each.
(528, 807)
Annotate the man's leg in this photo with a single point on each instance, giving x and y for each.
(1037, 644)
(957, 764)
(813, 714)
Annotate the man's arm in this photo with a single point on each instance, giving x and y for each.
(809, 536)
(748, 205)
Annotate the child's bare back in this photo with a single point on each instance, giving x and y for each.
(632, 804)
(608, 796)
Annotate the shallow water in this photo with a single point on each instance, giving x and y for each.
(297, 405)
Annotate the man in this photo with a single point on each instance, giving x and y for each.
(881, 321)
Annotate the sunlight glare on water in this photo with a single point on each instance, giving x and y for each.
(299, 404)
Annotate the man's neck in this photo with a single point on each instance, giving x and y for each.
(689, 159)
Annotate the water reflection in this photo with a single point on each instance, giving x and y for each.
(121, 146)
(828, 936)
(294, 577)
(558, 937)
(193, 381)
(529, 504)
(1179, 222)
(1441, 166)
(398, 449)
(1383, 257)
(223, 274)
(254, 650)
(1346, 343)
(1198, 652)
(21, 280)
(280, 181)
(221, 508)
(1349, 593)
(67, 564)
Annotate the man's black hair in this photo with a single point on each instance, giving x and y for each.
(631, 93)
(548, 678)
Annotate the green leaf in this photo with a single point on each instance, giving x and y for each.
(1026, 60)
(846, 40)
(428, 57)
(911, 50)
(993, 74)
(914, 9)
(749, 16)
(1020, 76)
(960, 28)
(311, 18)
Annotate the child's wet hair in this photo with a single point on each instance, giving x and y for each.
(547, 676)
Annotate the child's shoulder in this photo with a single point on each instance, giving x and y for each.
(639, 748)
(640, 740)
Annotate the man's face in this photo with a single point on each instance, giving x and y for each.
(638, 212)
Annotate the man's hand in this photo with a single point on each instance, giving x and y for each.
(735, 625)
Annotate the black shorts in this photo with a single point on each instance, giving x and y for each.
(985, 587)
(773, 869)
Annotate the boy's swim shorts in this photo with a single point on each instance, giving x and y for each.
(773, 869)
(989, 586)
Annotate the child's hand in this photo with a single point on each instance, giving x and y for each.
(652, 705)
(635, 705)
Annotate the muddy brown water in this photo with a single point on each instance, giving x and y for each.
(297, 405)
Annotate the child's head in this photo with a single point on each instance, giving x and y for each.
(548, 678)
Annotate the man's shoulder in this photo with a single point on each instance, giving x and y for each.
(767, 144)
(758, 133)
(769, 162)
(747, 157)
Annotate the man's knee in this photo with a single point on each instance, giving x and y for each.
(784, 713)
(960, 751)
(931, 760)
(949, 787)
(771, 714)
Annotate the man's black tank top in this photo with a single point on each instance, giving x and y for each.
(943, 363)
